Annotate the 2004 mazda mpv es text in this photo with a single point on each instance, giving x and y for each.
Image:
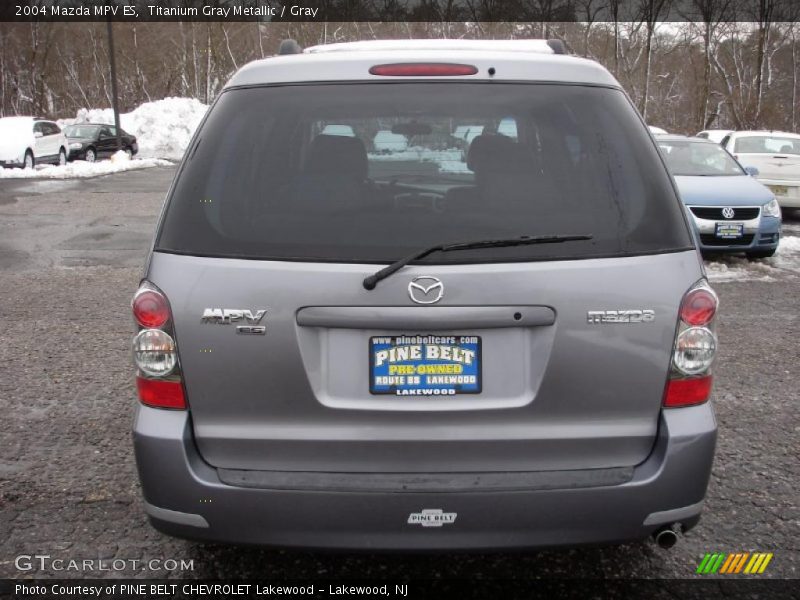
(501, 344)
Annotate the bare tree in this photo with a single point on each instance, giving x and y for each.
(709, 14)
(588, 11)
(651, 12)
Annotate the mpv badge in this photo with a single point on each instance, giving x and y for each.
(728, 212)
(226, 316)
(425, 290)
(432, 517)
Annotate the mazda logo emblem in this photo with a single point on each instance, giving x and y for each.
(728, 213)
(425, 290)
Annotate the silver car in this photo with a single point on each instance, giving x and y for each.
(508, 345)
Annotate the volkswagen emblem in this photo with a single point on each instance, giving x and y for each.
(425, 290)
(728, 213)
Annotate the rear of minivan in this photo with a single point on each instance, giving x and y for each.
(546, 385)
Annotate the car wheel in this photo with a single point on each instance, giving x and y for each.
(760, 254)
(29, 162)
(62, 157)
(91, 155)
(129, 152)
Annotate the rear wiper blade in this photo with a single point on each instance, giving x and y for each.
(526, 240)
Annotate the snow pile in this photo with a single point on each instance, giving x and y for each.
(788, 255)
(162, 128)
(120, 156)
(738, 268)
(80, 169)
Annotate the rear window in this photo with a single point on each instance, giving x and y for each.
(767, 144)
(372, 172)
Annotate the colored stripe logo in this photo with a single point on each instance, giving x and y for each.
(748, 563)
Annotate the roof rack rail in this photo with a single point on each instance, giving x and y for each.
(557, 46)
(289, 46)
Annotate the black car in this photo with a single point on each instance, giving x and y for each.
(93, 141)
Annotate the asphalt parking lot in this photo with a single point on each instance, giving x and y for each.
(71, 254)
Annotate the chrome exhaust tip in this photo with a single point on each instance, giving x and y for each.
(666, 537)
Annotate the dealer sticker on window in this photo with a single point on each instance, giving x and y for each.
(425, 365)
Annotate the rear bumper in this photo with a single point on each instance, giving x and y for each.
(185, 497)
(789, 196)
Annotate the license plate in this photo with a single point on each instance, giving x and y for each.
(425, 365)
(779, 190)
(730, 231)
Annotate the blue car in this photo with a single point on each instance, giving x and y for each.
(730, 210)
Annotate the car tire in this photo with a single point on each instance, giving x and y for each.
(760, 254)
(129, 152)
(62, 157)
(90, 155)
(28, 162)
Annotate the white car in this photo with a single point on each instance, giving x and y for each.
(343, 130)
(715, 135)
(657, 130)
(776, 157)
(27, 141)
(386, 142)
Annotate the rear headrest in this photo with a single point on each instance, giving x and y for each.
(337, 155)
(492, 153)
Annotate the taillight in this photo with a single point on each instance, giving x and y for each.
(150, 308)
(423, 70)
(160, 394)
(686, 392)
(694, 349)
(155, 352)
(699, 306)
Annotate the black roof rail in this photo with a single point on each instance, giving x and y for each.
(557, 46)
(289, 46)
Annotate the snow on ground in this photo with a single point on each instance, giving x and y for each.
(738, 268)
(80, 169)
(449, 161)
(162, 128)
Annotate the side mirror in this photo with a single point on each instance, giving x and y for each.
(752, 171)
(38, 134)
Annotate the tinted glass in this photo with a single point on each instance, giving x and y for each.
(698, 158)
(371, 172)
(81, 131)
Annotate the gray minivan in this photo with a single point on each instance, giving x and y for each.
(426, 347)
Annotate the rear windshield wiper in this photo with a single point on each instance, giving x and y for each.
(526, 240)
